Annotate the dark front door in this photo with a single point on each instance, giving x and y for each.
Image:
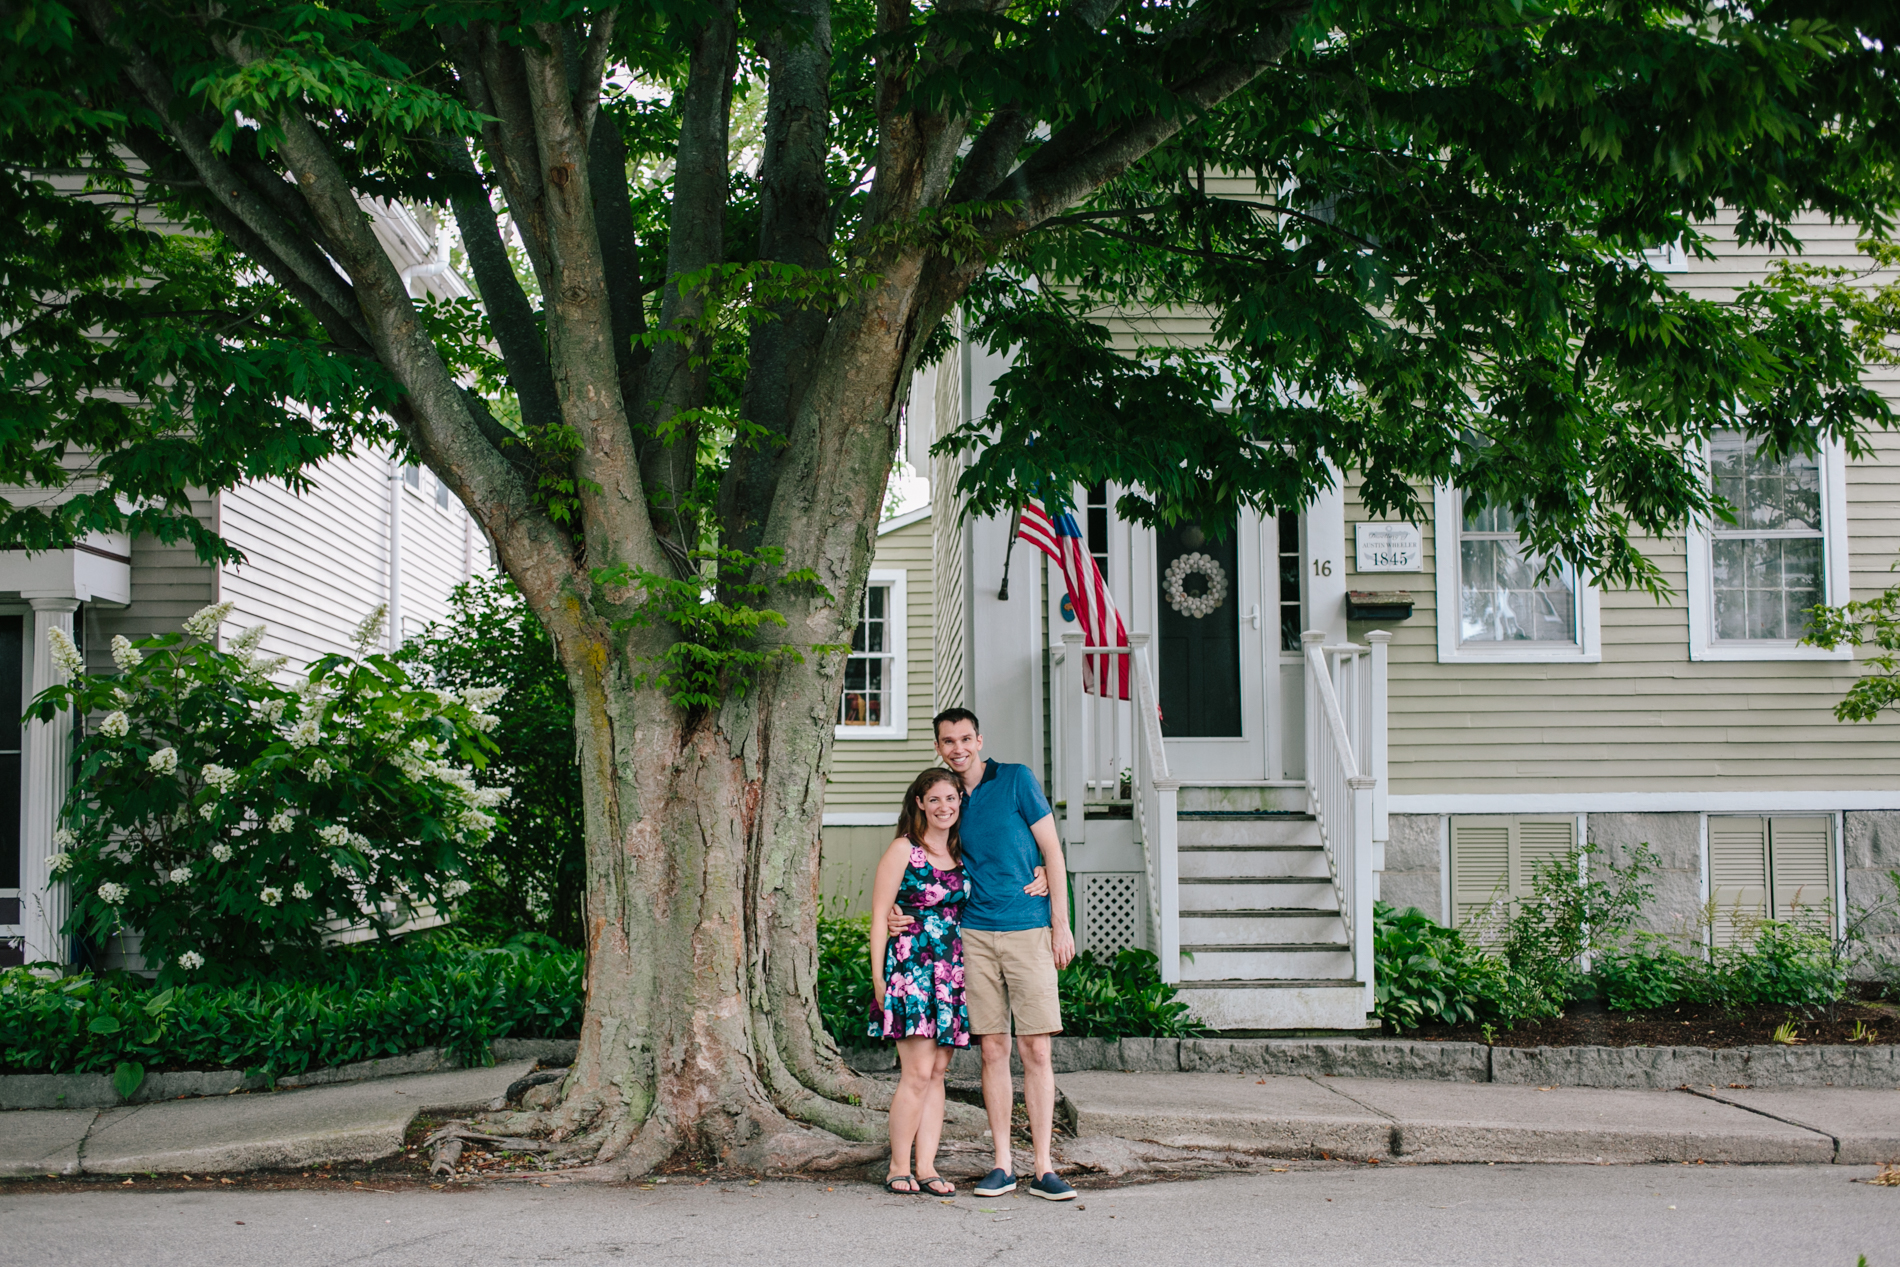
(1199, 576)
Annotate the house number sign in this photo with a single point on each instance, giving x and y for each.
(1389, 548)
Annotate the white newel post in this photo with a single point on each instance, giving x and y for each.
(48, 776)
(1362, 894)
(1168, 872)
(1377, 739)
(1074, 755)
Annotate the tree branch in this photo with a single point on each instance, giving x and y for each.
(493, 82)
(619, 256)
(593, 68)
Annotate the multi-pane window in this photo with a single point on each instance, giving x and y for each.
(1291, 574)
(873, 672)
(1502, 599)
(1097, 525)
(1768, 567)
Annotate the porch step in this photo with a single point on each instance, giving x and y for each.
(1265, 964)
(1322, 1003)
(1273, 926)
(1236, 893)
(1238, 862)
(1277, 830)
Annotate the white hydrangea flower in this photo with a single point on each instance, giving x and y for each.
(64, 838)
(125, 655)
(208, 811)
(115, 726)
(338, 870)
(484, 722)
(191, 960)
(221, 778)
(454, 889)
(66, 656)
(270, 896)
(112, 894)
(246, 642)
(221, 851)
(204, 623)
(164, 761)
(299, 891)
(370, 632)
(335, 835)
(306, 732)
(181, 875)
(59, 863)
(272, 710)
(321, 770)
(482, 698)
(281, 821)
(122, 698)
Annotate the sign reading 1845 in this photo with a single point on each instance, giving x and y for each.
(1389, 548)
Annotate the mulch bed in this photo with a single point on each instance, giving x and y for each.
(1588, 1023)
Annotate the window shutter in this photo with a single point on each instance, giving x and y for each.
(1539, 843)
(1801, 857)
(1480, 866)
(1738, 872)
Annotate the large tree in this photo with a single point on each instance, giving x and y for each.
(689, 364)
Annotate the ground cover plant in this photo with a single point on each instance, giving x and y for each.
(232, 819)
(364, 1002)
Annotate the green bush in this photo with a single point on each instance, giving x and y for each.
(1647, 972)
(1578, 906)
(1123, 997)
(1425, 973)
(531, 872)
(367, 1002)
(1772, 964)
(230, 819)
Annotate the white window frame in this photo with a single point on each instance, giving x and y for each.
(1704, 645)
(1447, 519)
(897, 713)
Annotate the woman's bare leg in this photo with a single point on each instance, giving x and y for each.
(930, 1124)
(916, 1058)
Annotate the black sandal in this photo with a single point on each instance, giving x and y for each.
(890, 1185)
(943, 1187)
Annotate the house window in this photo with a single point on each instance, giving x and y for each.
(1493, 604)
(1769, 868)
(442, 495)
(1752, 581)
(872, 705)
(1292, 611)
(412, 476)
(1097, 517)
(1494, 864)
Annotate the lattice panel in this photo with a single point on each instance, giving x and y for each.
(1111, 912)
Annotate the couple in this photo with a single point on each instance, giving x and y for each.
(973, 924)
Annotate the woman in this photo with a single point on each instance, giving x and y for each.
(917, 977)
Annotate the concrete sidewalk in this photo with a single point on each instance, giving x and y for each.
(1362, 1118)
(353, 1121)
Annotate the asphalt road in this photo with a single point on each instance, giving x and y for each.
(1439, 1215)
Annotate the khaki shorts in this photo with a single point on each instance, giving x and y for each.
(1010, 974)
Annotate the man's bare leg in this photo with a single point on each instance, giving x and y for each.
(999, 1096)
(1039, 1094)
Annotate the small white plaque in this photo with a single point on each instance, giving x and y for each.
(1389, 548)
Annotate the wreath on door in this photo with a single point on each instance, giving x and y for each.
(1174, 585)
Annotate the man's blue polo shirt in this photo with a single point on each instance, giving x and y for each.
(1000, 852)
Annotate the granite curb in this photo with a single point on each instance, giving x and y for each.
(95, 1091)
(1622, 1068)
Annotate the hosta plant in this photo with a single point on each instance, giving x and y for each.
(231, 817)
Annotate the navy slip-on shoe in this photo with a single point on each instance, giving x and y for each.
(1051, 1188)
(996, 1183)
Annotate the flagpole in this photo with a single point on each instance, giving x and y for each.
(1009, 549)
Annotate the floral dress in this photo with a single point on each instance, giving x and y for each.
(923, 968)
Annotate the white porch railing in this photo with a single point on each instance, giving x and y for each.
(1109, 751)
(1346, 776)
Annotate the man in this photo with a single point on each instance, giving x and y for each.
(1013, 943)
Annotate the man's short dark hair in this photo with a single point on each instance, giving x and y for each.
(953, 715)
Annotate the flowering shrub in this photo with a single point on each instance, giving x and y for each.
(230, 818)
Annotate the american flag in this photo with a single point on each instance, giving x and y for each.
(1061, 539)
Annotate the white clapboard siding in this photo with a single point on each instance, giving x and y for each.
(317, 563)
(1801, 865)
(1738, 873)
(1497, 859)
(169, 583)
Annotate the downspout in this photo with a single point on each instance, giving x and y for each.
(395, 552)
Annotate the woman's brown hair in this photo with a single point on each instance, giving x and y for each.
(912, 822)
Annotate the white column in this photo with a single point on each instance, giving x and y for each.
(48, 776)
(1326, 562)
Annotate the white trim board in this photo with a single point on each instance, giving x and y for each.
(904, 520)
(1712, 801)
(897, 692)
(849, 818)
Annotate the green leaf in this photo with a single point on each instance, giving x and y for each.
(104, 1024)
(127, 1078)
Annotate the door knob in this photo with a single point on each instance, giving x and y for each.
(1254, 615)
